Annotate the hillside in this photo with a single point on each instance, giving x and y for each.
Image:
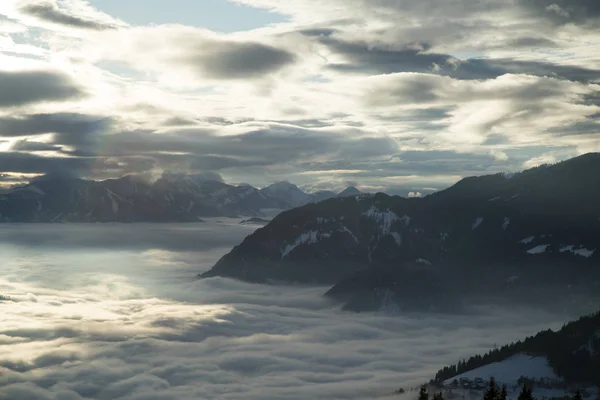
(572, 354)
(494, 236)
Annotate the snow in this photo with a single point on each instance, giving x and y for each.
(406, 220)
(567, 248)
(527, 240)
(538, 249)
(309, 237)
(115, 205)
(384, 218)
(444, 236)
(510, 370)
(190, 206)
(505, 223)
(348, 231)
(477, 222)
(423, 261)
(494, 199)
(583, 252)
(397, 238)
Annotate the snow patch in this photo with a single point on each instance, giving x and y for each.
(309, 237)
(510, 370)
(384, 218)
(538, 249)
(505, 223)
(112, 196)
(477, 222)
(527, 240)
(494, 199)
(584, 252)
(397, 238)
(423, 261)
(344, 229)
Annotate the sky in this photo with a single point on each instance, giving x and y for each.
(387, 95)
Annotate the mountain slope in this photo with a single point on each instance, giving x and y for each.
(573, 353)
(506, 231)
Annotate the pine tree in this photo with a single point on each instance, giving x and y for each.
(503, 393)
(577, 395)
(423, 394)
(492, 392)
(526, 393)
(438, 396)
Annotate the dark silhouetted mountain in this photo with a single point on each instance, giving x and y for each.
(522, 237)
(350, 191)
(573, 352)
(172, 198)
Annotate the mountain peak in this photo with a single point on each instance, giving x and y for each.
(350, 191)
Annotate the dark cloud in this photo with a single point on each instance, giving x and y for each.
(28, 163)
(236, 60)
(68, 126)
(28, 145)
(47, 11)
(19, 88)
(363, 57)
(563, 11)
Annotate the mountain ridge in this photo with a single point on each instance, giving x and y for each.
(509, 229)
(171, 198)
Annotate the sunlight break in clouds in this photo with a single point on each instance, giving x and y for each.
(458, 82)
(88, 319)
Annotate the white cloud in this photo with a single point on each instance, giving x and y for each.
(118, 315)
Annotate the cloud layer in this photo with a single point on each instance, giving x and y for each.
(339, 91)
(117, 314)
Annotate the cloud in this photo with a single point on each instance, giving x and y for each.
(115, 313)
(18, 88)
(66, 125)
(231, 60)
(48, 11)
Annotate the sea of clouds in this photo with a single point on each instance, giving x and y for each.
(115, 312)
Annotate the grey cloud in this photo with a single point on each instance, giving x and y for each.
(28, 145)
(363, 57)
(19, 88)
(235, 60)
(68, 126)
(20, 162)
(49, 12)
(563, 11)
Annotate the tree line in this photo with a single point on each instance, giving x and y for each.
(573, 352)
(493, 392)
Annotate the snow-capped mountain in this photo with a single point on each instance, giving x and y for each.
(519, 237)
(172, 198)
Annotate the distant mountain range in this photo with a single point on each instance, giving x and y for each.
(523, 237)
(172, 198)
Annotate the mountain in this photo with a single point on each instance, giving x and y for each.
(523, 237)
(287, 192)
(570, 355)
(172, 198)
(350, 191)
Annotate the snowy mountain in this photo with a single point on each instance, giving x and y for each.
(172, 198)
(523, 238)
(550, 359)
